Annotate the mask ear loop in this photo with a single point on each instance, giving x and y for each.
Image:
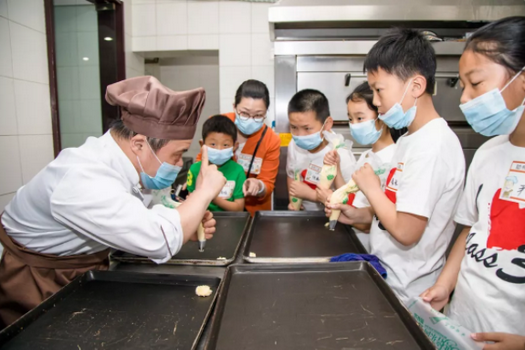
(514, 78)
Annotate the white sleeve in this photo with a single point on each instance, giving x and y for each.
(94, 202)
(290, 161)
(467, 213)
(421, 185)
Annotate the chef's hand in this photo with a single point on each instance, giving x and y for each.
(251, 187)
(208, 222)
(502, 341)
(331, 158)
(323, 194)
(437, 295)
(366, 179)
(210, 179)
(347, 212)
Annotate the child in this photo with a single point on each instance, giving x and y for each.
(309, 116)
(412, 218)
(219, 134)
(367, 129)
(486, 267)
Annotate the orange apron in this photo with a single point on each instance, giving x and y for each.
(27, 278)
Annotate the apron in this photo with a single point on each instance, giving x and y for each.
(27, 278)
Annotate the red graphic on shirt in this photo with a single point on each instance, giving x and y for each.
(351, 198)
(507, 229)
(303, 175)
(391, 194)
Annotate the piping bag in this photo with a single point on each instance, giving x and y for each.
(296, 202)
(340, 196)
(164, 197)
(328, 172)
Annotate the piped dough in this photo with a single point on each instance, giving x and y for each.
(203, 291)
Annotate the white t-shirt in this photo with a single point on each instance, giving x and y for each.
(381, 163)
(426, 179)
(309, 166)
(490, 292)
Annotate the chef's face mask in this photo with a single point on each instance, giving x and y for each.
(165, 176)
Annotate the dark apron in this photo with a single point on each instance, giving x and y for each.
(27, 278)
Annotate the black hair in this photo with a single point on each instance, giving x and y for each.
(123, 132)
(501, 41)
(221, 124)
(404, 52)
(310, 100)
(363, 92)
(253, 89)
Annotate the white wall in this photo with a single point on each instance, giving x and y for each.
(134, 61)
(238, 30)
(186, 73)
(26, 137)
(78, 78)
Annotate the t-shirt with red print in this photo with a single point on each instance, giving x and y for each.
(490, 291)
(425, 179)
(309, 166)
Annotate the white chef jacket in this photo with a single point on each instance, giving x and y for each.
(89, 199)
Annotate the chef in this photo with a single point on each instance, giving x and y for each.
(89, 199)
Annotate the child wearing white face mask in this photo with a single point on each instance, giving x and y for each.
(486, 267)
(309, 117)
(219, 134)
(366, 129)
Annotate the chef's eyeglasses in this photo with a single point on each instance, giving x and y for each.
(245, 116)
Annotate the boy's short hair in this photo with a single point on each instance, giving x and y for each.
(310, 100)
(404, 52)
(221, 124)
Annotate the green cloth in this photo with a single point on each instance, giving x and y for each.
(234, 174)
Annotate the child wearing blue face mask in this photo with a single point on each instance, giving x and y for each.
(412, 216)
(486, 267)
(366, 129)
(219, 134)
(309, 117)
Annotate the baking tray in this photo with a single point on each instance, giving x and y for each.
(230, 228)
(297, 237)
(116, 310)
(310, 306)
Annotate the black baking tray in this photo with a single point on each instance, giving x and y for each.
(297, 237)
(230, 228)
(310, 306)
(116, 310)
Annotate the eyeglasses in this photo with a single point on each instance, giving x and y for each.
(245, 116)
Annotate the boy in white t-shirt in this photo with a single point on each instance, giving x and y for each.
(412, 218)
(486, 267)
(309, 116)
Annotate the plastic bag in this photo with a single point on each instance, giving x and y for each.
(347, 160)
(445, 333)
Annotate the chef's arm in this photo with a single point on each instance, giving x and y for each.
(103, 210)
(194, 207)
(406, 228)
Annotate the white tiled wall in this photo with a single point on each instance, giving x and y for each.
(134, 61)
(25, 117)
(238, 30)
(78, 78)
